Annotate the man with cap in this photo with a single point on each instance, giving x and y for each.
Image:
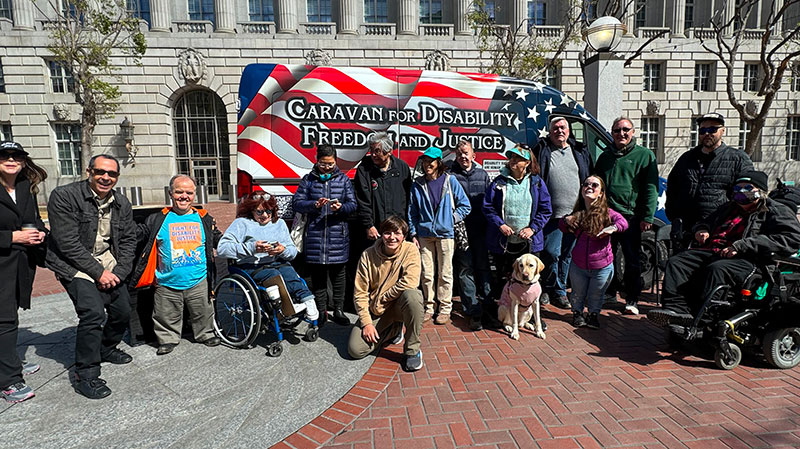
(702, 178)
(564, 164)
(731, 241)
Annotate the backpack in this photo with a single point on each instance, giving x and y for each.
(786, 194)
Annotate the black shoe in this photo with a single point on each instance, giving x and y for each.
(165, 348)
(117, 357)
(593, 321)
(544, 299)
(475, 323)
(562, 302)
(92, 388)
(577, 319)
(340, 318)
(664, 317)
(213, 341)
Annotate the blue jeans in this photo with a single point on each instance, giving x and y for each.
(472, 271)
(589, 286)
(556, 257)
(296, 286)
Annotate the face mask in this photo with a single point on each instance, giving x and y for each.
(746, 197)
(325, 176)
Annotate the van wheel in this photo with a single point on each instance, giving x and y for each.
(782, 347)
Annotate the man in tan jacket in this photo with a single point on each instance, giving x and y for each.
(386, 295)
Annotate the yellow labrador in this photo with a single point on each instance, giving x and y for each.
(520, 298)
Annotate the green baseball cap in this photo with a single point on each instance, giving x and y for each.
(523, 153)
(433, 153)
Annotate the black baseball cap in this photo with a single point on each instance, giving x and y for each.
(757, 178)
(8, 145)
(717, 117)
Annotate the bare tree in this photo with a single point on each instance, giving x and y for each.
(84, 36)
(777, 52)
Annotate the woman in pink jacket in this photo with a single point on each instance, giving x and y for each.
(592, 265)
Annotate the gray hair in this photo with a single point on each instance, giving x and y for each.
(178, 176)
(620, 119)
(555, 119)
(382, 138)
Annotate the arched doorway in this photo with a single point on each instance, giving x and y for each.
(201, 140)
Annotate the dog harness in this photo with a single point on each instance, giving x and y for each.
(528, 293)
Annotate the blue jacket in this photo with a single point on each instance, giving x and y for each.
(493, 209)
(426, 220)
(474, 182)
(327, 237)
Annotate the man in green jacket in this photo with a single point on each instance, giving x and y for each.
(630, 172)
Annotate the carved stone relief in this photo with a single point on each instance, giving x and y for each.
(192, 65)
(437, 60)
(318, 58)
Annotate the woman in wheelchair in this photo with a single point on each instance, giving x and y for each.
(731, 241)
(259, 241)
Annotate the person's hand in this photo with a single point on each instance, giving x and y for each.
(27, 237)
(645, 226)
(372, 233)
(321, 202)
(416, 242)
(335, 206)
(526, 233)
(108, 280)
(728, 252)
(701, 236)
(370, 334)
(506, 230)
(274, 250)
(262, 246)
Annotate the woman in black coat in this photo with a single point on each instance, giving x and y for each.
(21, 237)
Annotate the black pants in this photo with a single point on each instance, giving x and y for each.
(691, 275)
(630, 243)
(320, 275)
(10, 365)
(93, 307)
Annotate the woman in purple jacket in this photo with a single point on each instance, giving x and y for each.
(592, 266)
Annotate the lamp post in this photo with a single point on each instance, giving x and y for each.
(604, 71)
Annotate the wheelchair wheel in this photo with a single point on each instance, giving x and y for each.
(237, 315)
(312, 334)
(724, 362)
(275, 349)
(782, 347)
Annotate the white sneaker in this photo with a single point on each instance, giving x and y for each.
(631, 309)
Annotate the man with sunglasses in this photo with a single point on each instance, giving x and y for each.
(91, 250)
(630, 172)
(702, 178)
(740, 233)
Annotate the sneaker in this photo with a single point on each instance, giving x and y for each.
(165, 348)
(593, 321)
(544, 299)
(17, 392)
(92, 388)
(414, 362)
(442, 319)
(475, 323)
(213, 341)
(665, 317)
(29, 368)
(117, 357)
(397, 338)
(631, 309)
(428, 316)
(562, 302)
(577, 319)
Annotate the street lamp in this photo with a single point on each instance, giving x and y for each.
(604, 34)
(603, 88)
(126, 128)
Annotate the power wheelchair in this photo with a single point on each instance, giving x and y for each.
(244, 310)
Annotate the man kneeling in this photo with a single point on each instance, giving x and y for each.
(386, 295)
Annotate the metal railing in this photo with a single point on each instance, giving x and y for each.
(133, 194)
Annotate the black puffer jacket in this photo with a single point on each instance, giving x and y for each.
(693, 194)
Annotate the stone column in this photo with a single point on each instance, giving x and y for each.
(225, 14)
(519, 14)
(160, 19)
(728, 13)
(460, 10)
(603, 91)
(23, 14)
(348, 16)
(678, 18)
(778, 30)
(285, 16)
(630, 19)
(407, 16)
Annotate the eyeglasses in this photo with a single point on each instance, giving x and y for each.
(709, 130)
(262, 212)
(101, 172)
(16, 155)
(621, 130)
(593, 185)
(744, 188)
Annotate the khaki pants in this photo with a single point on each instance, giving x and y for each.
(168, 313)
(437, 255)
(405, 310)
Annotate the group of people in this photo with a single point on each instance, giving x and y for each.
(450, 223)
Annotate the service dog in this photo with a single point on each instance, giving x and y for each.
(520, 298)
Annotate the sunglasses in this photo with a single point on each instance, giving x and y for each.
(262, 212)
(709, 130)
(101, 172)
(745, 188)
(16, 155)
(594, 185)
(326, 164)
(621, 130)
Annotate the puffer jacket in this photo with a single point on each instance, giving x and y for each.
(474, 182)
(590, 251)
(693, 194)
(493, 204)
(327, 236)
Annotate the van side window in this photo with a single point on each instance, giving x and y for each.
(595, 142)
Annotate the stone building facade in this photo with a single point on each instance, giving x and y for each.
(182, 100)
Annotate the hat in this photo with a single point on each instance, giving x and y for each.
(12, 146)
(757, 178)
(717, 117)
(433, 153)
(523, 153)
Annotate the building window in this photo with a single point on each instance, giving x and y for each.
(652, 77)
(488, 7)
(3, 79)
(589, 10)
(430, 11)
(68, 142)
(694, 137)
(702, 77)
(5, 9)
(649, 135)
(319, 11)
(795, 85)
(750, 78)
(139, 9)
(201, 10)
(744, 131)
(376, 11)
(60, 78)
(551, 77)
(641, 14)
(688, 18)
(793, 138)
(262, 11)
(5, 132)
(537, 12)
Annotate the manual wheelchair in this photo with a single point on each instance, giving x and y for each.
(763, 314)
(243, 310)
